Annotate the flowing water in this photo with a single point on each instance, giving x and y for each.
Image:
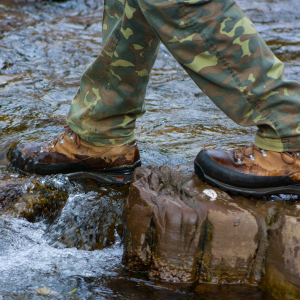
(62, 239)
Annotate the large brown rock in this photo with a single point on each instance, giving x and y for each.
(180, 229)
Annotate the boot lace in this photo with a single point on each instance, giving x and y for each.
(72, 135)
(240, 154)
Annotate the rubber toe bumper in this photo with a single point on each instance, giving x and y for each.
(241, 183)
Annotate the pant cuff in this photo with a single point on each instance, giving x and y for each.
(100, 141)
(277, 145)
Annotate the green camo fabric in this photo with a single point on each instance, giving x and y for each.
(217, 45)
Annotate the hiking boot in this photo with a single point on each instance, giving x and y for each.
(250, 171)
(69, 154)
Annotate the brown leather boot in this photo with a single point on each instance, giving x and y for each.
(250, 170)
(70, 155)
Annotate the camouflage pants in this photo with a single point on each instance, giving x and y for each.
(218, 47)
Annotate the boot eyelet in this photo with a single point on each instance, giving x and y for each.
(297, 154)
(61, 142)
(252, 157)
(71, 137)
(239, 161)
(264, 154)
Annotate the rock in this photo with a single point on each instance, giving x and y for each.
(45, 291)
(180, 229)
(282, 275)
(31, 198)
(10, 192)
(82, 215)
(89, 220)
(41, 200)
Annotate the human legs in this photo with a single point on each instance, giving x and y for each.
(220, 49)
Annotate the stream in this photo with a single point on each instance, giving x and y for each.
(62, 239)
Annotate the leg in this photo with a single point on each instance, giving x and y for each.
(113, 88)
(99, 141)
(226, 57)
(223, 53)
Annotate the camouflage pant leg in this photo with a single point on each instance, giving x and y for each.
(223, 53)
(220, 49)
(112, 89)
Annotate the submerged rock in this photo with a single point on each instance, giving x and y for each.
(180, 229)
(41, 199)
(33, 198)
(82, 215)
(90, 220)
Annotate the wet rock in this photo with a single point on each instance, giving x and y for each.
(35, 200)
(282, 276)
(180, 229)
(76, 214)
(10, 192)
(90, 220)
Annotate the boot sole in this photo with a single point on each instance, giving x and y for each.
(115, 176)
(247, 192)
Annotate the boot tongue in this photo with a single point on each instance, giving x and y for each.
(248, 151)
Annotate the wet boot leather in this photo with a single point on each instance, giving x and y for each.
(69, 154)
(250, 170)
